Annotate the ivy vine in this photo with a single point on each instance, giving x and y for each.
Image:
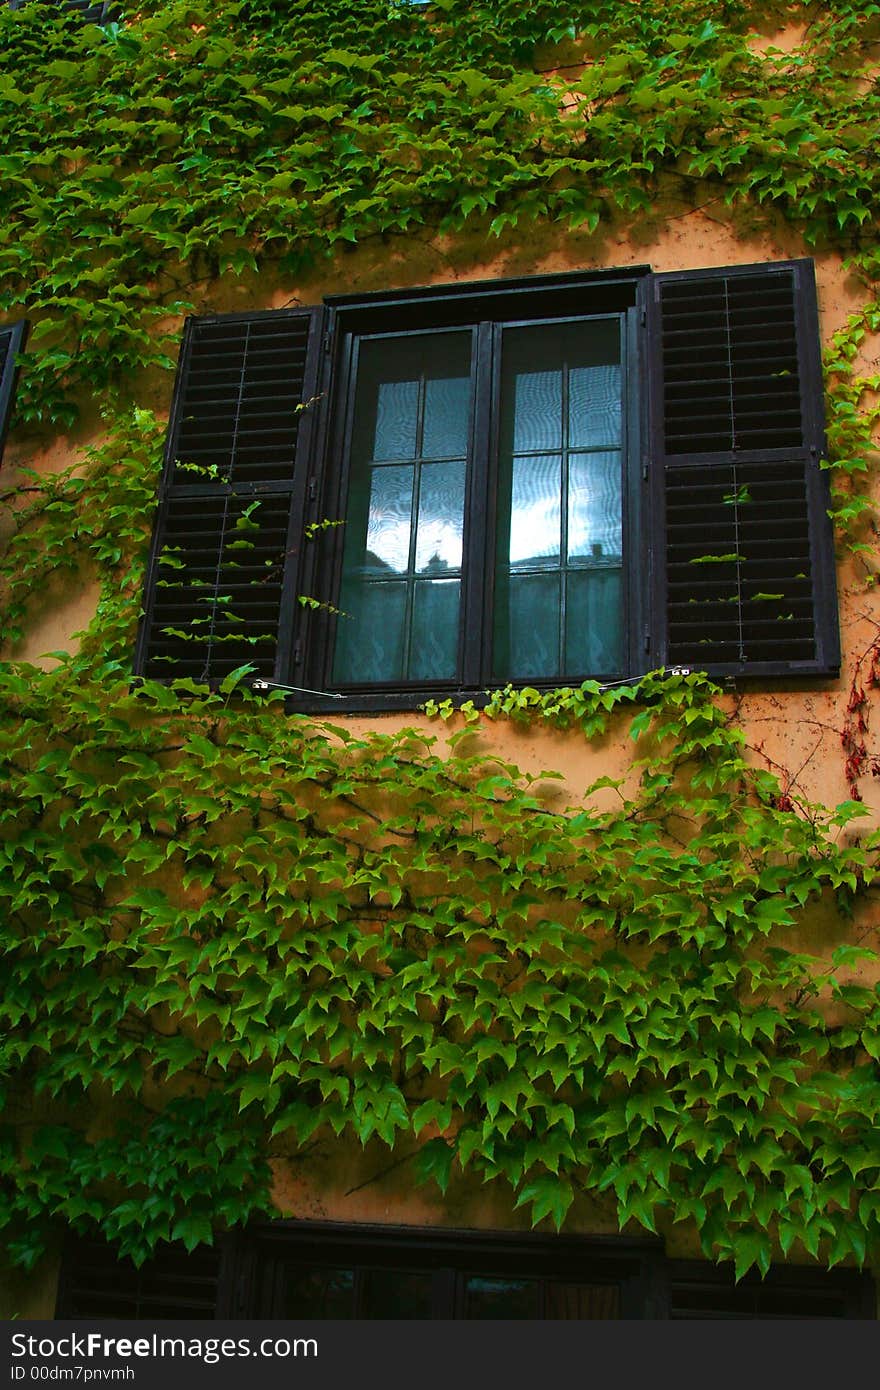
(228, 933)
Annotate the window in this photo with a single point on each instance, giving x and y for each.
(540, 481)
(305, 1270)
(12, 340)
(315, 1270)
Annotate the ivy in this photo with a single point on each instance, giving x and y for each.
(578, 1001)
(231, 935)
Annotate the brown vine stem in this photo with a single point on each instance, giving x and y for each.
(383, 1172)
(856, 725)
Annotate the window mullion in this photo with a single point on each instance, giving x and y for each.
(564, 463)
(415, 505)
(479, 538)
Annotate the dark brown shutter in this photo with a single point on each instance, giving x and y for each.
(88, 13)
(96, 1283)
(701, 1290)
(744, 579)
(85, 10)
(12, 339)
(221, 579)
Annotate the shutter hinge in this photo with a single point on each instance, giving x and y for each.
(644, 318)
(646, 639)
(326, 343)
(313, 489)
(297, 653)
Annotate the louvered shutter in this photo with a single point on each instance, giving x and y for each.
(95, 1282)
(12, 339)
(85, 10)
(699, 1290)
(88, 13)
(744, 579)
(220, 587)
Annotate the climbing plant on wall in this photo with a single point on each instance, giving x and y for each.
(231, 933)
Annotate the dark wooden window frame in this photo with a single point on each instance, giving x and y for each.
(485, 308)
(634, 1267)
(665, 481)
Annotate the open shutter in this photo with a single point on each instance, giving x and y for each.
(90, 14)
(745, 561)
(222, 573)
(12, 339)
(86, 10)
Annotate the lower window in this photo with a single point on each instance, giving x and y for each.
(312, 1270)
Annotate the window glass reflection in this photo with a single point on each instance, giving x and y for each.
(502, 1298)
(405, 523)
(595, 523)
(535, 511)
(441, 517)
(389, 520)
(559, 524)
(594, 399)
(318, 1293)
(397, 1294)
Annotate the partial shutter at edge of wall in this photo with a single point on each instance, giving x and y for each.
(12, 340)
(222, 571)
(744, 557)
(85, 10)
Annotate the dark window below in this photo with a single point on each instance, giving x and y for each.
(328, 1271)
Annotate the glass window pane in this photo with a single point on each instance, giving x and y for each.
(537, 410)
(389, 521)
(370, 634)
(441, 517)
(535, 511)
(396, 420)
(434, 637)
(584, 1301)
(447, 415)
(318, 1293)
(594, 508)
(593, 630)
(594, 397)
(397, 1293)
(527, 626)
(502, 1298)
